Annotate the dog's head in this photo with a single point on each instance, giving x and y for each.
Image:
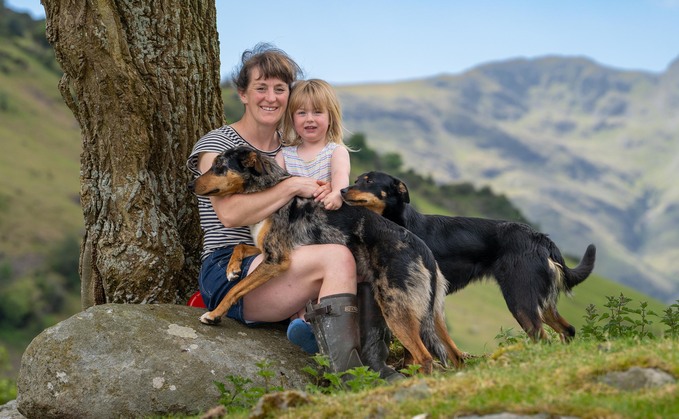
(376, 191)
(238, 170)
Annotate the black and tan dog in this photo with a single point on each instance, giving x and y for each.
(526, 264)
(408, 286)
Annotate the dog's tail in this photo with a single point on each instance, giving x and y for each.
(574, 276)
(432, 341)
(430, 338)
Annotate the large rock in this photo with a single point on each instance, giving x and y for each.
(119, 360)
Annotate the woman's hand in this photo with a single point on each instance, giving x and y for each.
(307, 187)
(322, 190)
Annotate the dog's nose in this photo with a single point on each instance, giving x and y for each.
(344, 190)
(192, 186)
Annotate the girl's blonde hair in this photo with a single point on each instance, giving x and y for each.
(320, 95)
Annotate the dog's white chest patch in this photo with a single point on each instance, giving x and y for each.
(254, 231)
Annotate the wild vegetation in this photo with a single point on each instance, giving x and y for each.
(520, 377)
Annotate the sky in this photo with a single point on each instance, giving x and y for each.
(354, 41)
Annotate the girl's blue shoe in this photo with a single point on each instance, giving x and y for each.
(300, 333)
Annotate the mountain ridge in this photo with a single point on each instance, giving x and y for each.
(585, 151)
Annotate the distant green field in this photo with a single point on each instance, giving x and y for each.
(476, 314)
(39, 164)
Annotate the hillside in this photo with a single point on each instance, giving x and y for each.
(39, 165)
(589, 153)
(40, 217)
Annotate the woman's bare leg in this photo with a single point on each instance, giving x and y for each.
(315, 271)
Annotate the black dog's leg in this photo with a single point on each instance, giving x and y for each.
(375, 335)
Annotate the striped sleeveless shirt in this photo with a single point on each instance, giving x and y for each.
(215, 235)
(318, 168)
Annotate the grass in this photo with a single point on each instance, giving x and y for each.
(519, 377)
(523, 378)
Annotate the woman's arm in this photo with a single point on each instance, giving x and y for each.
(246, 209)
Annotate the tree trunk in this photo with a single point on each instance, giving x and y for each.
(142, 79)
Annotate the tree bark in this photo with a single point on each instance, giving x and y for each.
(142, 79)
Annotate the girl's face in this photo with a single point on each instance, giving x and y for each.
(265, 99)
(311, 124)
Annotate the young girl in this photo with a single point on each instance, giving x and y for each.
(312, 138)
(313, 148)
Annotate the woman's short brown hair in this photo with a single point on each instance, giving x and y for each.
(272, 62)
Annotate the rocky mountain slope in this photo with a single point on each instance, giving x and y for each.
(587, 152)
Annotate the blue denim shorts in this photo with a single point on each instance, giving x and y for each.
(213, 284)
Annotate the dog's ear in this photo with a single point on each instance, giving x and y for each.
(402, 190)
(253, 161)
(265, 166)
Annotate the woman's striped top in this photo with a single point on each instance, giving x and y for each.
(215, 235)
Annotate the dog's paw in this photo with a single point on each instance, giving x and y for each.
(207, 318)
(232, 275)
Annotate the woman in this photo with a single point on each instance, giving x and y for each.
(323, 273)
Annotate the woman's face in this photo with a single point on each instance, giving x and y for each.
(265, 99)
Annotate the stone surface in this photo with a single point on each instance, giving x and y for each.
(637, 378)
(129, 360)
(9, 411)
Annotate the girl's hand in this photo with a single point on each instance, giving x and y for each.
(332, 202)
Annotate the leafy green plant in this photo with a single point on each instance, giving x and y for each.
(507, 337)
(616, 327)
(640, 324)
(241, 395)
(622, 321)
(411, 370)
(591, 328)
(671, 319)
(352, 380)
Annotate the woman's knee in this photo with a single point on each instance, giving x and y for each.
(340, 256)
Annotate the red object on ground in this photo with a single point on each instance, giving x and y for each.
(196, 300)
